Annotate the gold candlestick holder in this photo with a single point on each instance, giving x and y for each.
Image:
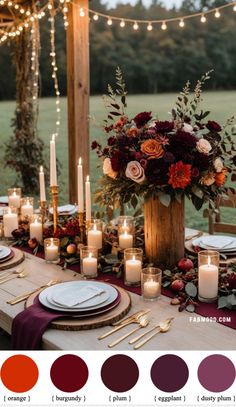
(81, 226)
(54, 196)
(43, 210)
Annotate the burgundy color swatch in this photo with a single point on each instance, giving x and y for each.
(216, 373)
(69, 373)
(169, 373)
(119, 373)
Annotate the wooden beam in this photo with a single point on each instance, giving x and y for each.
(77, 92)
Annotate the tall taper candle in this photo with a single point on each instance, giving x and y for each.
(42, 185)
(88, 198)
(53, 163)
(80, 186)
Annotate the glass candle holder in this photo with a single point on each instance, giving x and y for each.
(95, 229)
(27, 206)
(10, 221)
(208, 275)
(36, 228)
(126, 231)
(133, 266)
(14, 197)
(52, 250)
(151, 283)
(89, 261)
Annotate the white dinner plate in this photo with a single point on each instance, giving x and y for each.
(4, 252)
(220, 243)
(4, 200)
(55, 296)
(65, 210)
(45, 299)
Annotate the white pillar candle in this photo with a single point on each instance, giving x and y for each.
(27, 209)
(90, 265)
(42, 185)
(53, 163)
(95, 238)
(10, 223)
(51, 252)
(88, 198)
(151, 289)
(125, 240)
(208, 277)
(14, 200)
(133, 269)
(36, 230)
(80, 186)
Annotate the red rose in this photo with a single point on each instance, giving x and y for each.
(142, 118)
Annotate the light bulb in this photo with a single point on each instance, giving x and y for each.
(182, 23)
(82, 13)
(164, 26)
(122, 24)
(203, 19)
(149, 27)
(135, 26)
(95, 17)
(234, 8)
(217, 14)
(109, 21)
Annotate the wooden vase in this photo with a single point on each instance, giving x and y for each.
(164, 232)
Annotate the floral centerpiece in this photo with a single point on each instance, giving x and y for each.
(162, 162)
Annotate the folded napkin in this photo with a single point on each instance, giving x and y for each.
(217, 242)
(64, 209)
(67, 298)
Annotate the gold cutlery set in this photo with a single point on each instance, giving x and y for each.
(142, 320)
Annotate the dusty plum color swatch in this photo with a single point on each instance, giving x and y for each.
(119, 373)
(69, 373)
(216, 373)
(169, 373)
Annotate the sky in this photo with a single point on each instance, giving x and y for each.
(168, 3)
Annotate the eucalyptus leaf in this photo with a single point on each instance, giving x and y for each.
(191, 290)
(166, 283)
(190, 308)
(222, 302)
(231, 300)
(167, 273)
(164, 198)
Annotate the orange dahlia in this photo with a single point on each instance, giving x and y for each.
(152, 148)
(220, 177)
(180, 175)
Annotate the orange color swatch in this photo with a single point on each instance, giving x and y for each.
(19, 373)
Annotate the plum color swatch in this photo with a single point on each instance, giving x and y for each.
(69, 373)
(169, 373)
(120, 373)
(216, 373)
(19, 373)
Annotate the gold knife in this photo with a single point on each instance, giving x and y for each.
(136, 314)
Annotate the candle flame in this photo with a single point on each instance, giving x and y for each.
(87, 178)
(133, 258)
(14, 193)
(41, 168)
(51, 243)
(125, 233)
(208, 261)
(53, 137)
(90, 255)
(125, 223)
(80, 161)
(95, 227)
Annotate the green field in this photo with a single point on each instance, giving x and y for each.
(222, 105)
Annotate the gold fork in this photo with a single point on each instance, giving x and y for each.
(23, 297)
(21, 275)
(9, 273)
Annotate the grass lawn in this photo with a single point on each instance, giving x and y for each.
(222, 104)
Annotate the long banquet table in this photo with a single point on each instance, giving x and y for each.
(184, 334)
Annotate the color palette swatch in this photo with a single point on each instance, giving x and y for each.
(78, 376)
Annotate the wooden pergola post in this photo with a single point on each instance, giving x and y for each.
(77, 92)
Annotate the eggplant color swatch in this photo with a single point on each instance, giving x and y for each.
(169, 373)
(69, 373)
(19, 373)
(216, 373)
(120, 373)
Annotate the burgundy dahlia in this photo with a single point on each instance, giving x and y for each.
(201, 161)
(213, 126)
(182, 143)
(164, 127)
(168, 158)
(118, 161)
(142, 118)
(195, 172)
(156, 171)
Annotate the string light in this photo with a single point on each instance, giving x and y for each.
(149, 27)
(122, 24)
(109, 21)
(217, 13)
(203, 18)
(182, 23)
(164, 26)
(65, 14)
(35, 62)
(82, 12)
(54, 68)
(95, 17)
(234, 8)
(135, 26)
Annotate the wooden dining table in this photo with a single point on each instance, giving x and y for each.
(186, 333)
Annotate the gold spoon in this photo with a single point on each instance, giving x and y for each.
(23, 297)
(21, 275)
(143, 322)
(163, 329)
(136, 339)
(9, 273)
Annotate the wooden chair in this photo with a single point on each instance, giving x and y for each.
(215, 224)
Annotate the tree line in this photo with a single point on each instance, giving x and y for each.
(155, 61)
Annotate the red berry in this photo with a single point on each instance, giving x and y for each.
(185, 264)
(177, 285)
